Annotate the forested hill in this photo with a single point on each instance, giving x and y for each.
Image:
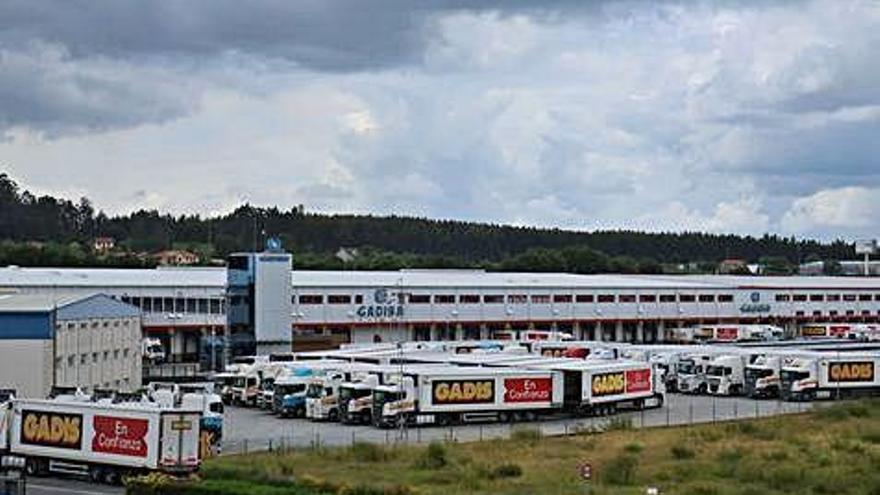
(45, 219)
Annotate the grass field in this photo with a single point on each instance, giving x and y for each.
(835, 450)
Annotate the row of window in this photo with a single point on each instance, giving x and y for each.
(214, 306)
(826, 297)
(849, 312)
(524, 298)
(84, 358)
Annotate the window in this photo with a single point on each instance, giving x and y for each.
(562, 298)
(493, 299)
(865, 312)
(667, 298)
(707, 298)
(626, 298)
(215, 306)
(203, 306)
(469, 299)
(179, 305)
(686, 298)
(338, 299)
(116, 354)
(799, 313)
(877, 297)
(419, 298)
(311, 299)
(799, 297)
(850, 312)
(168, 304)
(517, 299)
(157, 304)
(94, 357)
(584, 298)
(725, 298)
(605, 298)
(71, 360)
(125, 353)
(359, 299)
(647, 298)
(83, 359)
(816, 298)
(832, 313)
(849, 297)
(832, 297)
(444, 299)
(864, 297)
(136, 301)
(817, 313)
(540, 298)
(106, 355)
(147, 305)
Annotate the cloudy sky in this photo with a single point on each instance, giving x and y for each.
(726, 116)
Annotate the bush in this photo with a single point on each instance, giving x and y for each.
(682, 452)
(633, 448)
(529, 435)
(620, 423)
(621, 470)
(368, 452)
(434, 457)
(508, 470)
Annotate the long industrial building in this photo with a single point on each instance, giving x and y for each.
(269, 308)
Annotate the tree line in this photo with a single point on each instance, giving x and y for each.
(43, 230)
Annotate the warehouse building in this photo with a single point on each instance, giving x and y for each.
(87, 341)
(260, 302)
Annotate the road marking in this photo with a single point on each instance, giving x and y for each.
(50, 488)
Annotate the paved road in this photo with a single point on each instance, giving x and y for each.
(64, 486)
(248, 430)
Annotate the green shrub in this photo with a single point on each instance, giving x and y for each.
(508, 470)
(368, 452)
(682, 452)
(434, 457)
(633, 448)
(528, 435)
(621, 470)
(619, 423)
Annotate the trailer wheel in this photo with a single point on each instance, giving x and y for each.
(503, 417)
(96, 474)
(530, 416)
(36, 467)
(443, 420)
(333, 415)
(112, 477)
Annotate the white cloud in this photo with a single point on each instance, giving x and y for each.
(847, 208)
(715, 116)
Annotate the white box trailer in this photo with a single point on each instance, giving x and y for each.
(102, 441)
(458, 395)
(603, 387)
(828, 376)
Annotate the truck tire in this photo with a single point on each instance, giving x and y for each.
(96, 474)
(503, 417)
(112, 477)
(35, 466)
(333, 415)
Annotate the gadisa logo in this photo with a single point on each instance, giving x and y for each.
(51, 429)
(464, 392)
(857, 371)
(608, 384)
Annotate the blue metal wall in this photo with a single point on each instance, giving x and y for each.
(37, 326)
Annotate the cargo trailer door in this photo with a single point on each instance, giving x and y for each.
(573, 389)
(179, 442)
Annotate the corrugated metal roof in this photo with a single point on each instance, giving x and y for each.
(68, 307)
(215, 278)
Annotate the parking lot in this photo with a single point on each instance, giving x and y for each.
(248, 430)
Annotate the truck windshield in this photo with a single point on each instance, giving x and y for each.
(686, 368)
(290, 389)
(381, 397)
(715, 371)
(756, 373)
(315, 391)
(268, 384)
(793, 375)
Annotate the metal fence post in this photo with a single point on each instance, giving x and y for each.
(690, 411)
(713, 408)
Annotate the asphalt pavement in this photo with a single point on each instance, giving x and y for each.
(65, 486)
(248, 430)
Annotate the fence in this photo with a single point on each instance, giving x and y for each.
(679, 410)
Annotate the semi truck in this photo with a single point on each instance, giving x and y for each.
(726, 374)
(830, 376)
(103, 442)
(460, 395)
(691, 372)
(762, 376)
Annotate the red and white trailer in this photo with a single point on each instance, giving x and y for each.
(101, 441)
(459, 395)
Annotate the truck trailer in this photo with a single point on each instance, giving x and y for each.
(460, 395)
(101, 441)
(830, 376)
